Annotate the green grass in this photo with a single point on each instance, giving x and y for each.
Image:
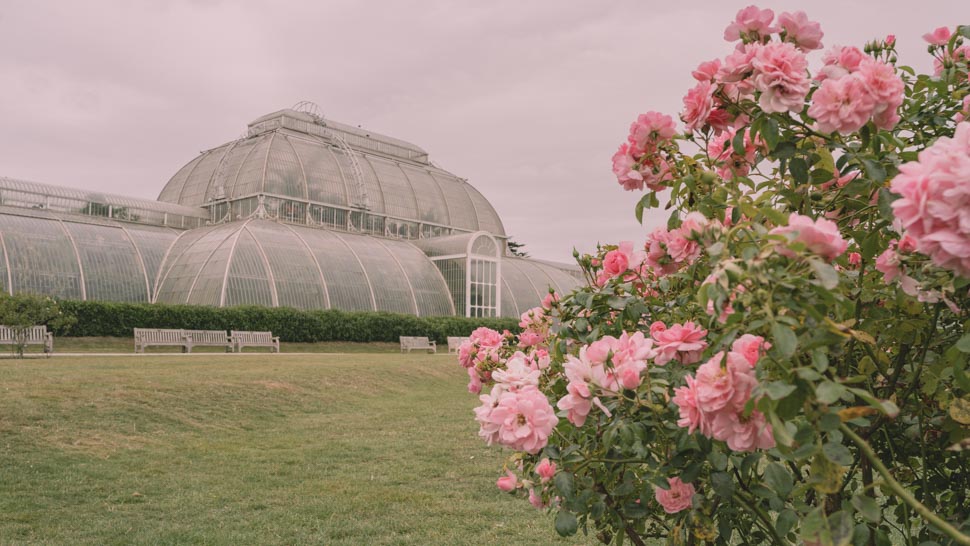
(127, 345)
(282, 449)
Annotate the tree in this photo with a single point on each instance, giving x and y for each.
(786, 361)
(516, 249)
(22, 311)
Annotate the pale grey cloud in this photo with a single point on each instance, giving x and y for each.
(528, 100)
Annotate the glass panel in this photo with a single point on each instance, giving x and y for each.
(152, 244)
(42, 258)
(430, 289)
(295, 272)
(462, 211)
(324, 179)
(248, 282)
(488, 219)
(284, 172)
(431, 202)
(398, 196)
(112, 271)
(347, 284)
(249, 178)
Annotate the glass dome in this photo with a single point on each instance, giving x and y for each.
(294, 155)
(260, 262)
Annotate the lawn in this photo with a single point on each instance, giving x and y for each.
(127, 345)
(250, 449)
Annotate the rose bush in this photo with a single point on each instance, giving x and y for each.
(785, 361)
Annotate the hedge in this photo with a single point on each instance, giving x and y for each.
(97, 318)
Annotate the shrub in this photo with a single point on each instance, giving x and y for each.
(98, 318)
(786, 361)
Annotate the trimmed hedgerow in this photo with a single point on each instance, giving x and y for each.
(98, 318)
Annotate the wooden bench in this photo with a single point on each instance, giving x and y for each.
(145, 337)
(454, 343)
(255, 339)
(32, 335)
(410, 343)
(209, 338)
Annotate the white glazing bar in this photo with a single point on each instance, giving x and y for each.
(414, 298)
(77, 254)
(141, 261)
(269, 270)
(6, 260)
(362, 268)
(225, 275)
(206, 261)
(159, 277)
(309, 251)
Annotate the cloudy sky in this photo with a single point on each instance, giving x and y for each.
(526, 99)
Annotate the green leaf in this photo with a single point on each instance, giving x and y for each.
(829, 392)
(868, 507)
(564, 483)
(875, 170)
(776, 390)
(964, 344)
(780, 431)
(769, 132)
(723, 484)
(837, 453)
(566, 524)
(738, 143)
(779, 479)
(784, 340)
(827, 276)
(786, 521)
(885, 202)
(784, 150)
(799, 170)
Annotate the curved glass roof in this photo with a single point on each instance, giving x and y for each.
(293, 155)
(73, 258)
(526, 282)
(260, 262)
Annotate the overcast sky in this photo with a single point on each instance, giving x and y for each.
(526, 99)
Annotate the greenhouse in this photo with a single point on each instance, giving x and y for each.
(300, 212)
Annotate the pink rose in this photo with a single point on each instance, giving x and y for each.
(855, 259)
(677, 498)
(725, 388)
(890, 264)
(807, 35)
(681, 342)
(751, 347)
(517, 373)
(781, 74)
(886, 89)
(707, 70)
(546, 470)
(698, 103)
(650, 129)
(691, 416)
(743, 433)
(507, 482)
(840, 61)
(486, 337)
(842, 105)
(938, 37)
(750, 21)
(820, 236)
(535, 499)
(521, 420)
(625, 168)
(935, 206)
(890, 40)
